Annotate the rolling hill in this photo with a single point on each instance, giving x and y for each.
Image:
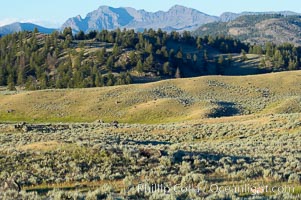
(165, 101)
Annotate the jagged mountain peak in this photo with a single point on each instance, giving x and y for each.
(105, 17)
(178, 18)
(79, 17)
(179, 7)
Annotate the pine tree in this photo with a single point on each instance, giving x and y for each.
(43, 81)
(78, 79)
(292, 65)
(278, 60)
(179, 55)
(110, 63)
(67, 32)
(262, 63)
(195, 58)
(139, 66)
(97, 80)
(31, 83)
(220, 60)
(116, 50)
(158, 52)
(243, 55)
(166, 68)
(128, 79)
(164, 52)
(171, 54)
(199, 43)
(11, 83)
(178, 73)
(149, 48)
(58, 82)
(158, 41)
(132, 57)
(101, 55)
(35, 30)
(110, 80)
(149, 61)
(21, 77)
(80, 35)
(2, 76)
(269, 48)
(220, 65)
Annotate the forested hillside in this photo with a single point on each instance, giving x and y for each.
(257, 29)
(33, 60)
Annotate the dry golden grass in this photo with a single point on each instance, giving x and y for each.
(40, 146)
(137, 103)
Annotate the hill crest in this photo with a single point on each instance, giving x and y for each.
(160, 102)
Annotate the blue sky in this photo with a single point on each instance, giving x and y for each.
(53, 13)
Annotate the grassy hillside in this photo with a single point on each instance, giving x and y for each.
(95, 160)
(165, 101)
(224, 130)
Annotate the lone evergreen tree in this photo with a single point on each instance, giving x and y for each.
(178, 73)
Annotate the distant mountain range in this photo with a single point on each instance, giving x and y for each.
(257, 29)
(229, 16)
(17, 26)
(177, 18)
